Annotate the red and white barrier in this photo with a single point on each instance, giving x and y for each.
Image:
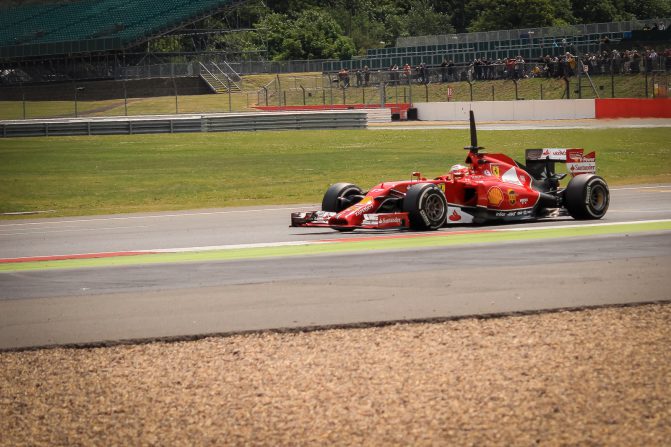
(539, 110)
(633, 108)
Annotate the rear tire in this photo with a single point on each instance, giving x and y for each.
(426, 206)
(587, 197)
(340, 196)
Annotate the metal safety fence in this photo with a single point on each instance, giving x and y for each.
(474, 82)
(354, 119)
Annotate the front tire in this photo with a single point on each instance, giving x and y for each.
(587, 197)
(426, 206)
(341, 196)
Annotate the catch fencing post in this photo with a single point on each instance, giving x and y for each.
(383, 95)
(517, 96)
(23, 98)
(410, 87)
(230, 101)
(646, 82)
(174, 86)
(125, 97)
(74, 84)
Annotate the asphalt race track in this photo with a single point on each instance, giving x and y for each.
(143, 301)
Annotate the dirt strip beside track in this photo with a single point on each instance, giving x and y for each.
(591, 377)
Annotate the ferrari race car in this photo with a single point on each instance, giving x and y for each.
(490, 188)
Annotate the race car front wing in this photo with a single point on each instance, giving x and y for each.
(370, 221)
(311, 219)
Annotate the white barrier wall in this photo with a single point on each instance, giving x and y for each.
(556, 109)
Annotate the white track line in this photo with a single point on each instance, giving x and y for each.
(330, 241)
(601, 224)
(635, 188)
(155, 216)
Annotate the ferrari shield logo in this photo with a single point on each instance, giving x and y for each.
(496, 171)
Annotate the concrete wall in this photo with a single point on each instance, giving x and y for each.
(507, 110)
(101, 90)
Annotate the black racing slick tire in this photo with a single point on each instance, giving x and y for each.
(587, 197)
(341, 196)
(426, 206)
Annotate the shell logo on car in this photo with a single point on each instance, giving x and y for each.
(495, 196)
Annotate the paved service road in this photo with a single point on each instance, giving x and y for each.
(166, 300)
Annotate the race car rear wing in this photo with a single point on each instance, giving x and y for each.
(540, 161)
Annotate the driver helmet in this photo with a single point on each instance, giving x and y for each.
(459, 170)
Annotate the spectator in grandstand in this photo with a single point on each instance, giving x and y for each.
(635, 62)
(343, 76)
(443, 71)
(591, 61)
(571, 64)
(536, 72)
(450, 70)
(616, 62)
(476, 67)
(510, 68)
(489, 69)
(626, 61)
(394, 74)
(407, 73)
(423, 73)
(519, 67)
(650, 60)
(498, 69)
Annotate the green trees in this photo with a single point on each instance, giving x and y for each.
(312, 34)
(340, 29)
(491, 15)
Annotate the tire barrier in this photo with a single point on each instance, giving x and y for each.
(350, 119)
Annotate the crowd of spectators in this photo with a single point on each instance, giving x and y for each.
(564, 65)
(567, 65)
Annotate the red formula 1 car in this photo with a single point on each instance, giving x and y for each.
(491, 188)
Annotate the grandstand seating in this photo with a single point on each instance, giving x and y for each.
(464, 48)
(46, 29)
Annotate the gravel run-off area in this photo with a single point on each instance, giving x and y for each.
(589, 377)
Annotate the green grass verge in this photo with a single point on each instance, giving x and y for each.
(118, 174)
(431, 240)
